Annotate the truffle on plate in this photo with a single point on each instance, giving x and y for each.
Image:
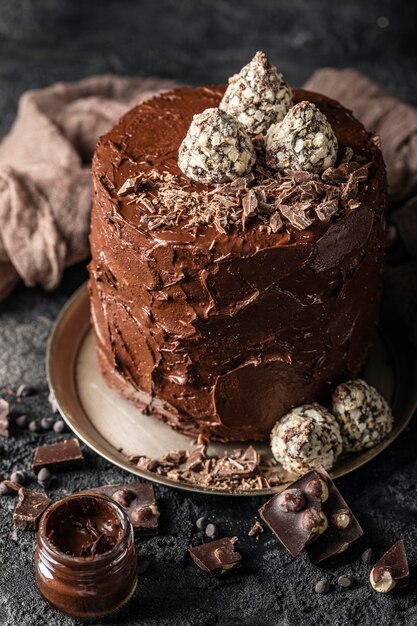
(363, 414)
(306, 437)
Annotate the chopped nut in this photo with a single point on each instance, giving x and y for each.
(382, 579)
(258, 96)
(216, 149)
(304, 140)
(314, 521)
(342, 519)
(291, 500)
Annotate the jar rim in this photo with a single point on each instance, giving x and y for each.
(82, 560)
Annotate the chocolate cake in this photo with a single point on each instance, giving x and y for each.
(212, 309)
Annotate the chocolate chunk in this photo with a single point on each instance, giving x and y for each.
(345, 581)
(4, 418)
(256, 529)
(195, 461)
(312, 514)
(246, 465)
(368, 556)
(138, 500)
(322, 586)
(29, 509)
(343, 529)
(391, 570)
(216, 557)
(58, 457)
(59, 427)
(294, 515)
(202, 523)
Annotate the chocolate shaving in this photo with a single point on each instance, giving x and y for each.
(242, 469)
(273, 200)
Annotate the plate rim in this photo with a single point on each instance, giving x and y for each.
(77, 300)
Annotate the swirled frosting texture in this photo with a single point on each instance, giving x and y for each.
(222, 334)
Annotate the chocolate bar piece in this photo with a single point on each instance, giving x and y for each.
(29, 508)
(216, 557)
(295, 515)
(4, 418)
(138, 500)
(343, 527)
(58, 457)
(391, 570)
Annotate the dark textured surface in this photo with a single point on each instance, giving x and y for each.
(199, 41)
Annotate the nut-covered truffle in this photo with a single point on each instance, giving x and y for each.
(304, 140)
(216, 149)
(308, 436)
(382, 579)
(258, 96)
(364, 416)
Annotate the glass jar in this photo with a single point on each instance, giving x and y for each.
(85, 586)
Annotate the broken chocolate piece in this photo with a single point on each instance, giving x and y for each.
(343, 529)
(138, 500)
(295, 515)
(58, 457)
(29, 509)
(242, 465)
(216, 557)
(391, 570)
(4, 418)
(256, 529)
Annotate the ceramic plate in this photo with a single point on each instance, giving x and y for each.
(114, 428)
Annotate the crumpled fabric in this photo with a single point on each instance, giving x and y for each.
(45, 179)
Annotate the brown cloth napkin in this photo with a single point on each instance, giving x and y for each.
(45, 180)
(45, 173)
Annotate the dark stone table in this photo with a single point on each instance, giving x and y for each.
(42, 41)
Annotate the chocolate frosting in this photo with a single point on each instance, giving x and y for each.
(222, 334)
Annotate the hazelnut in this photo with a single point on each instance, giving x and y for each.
(314, 521)
(382, 579)
(143, 513)
(317, 488)
(291, 500)
(123, 497)
(342, 519)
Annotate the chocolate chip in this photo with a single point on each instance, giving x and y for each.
(123, 497)
(202, 523)
(345, 581)
(44, 477)
(47, 423)
(323, 586)
(59, 427)
(142, 566)
(20, 477)
(22, 421)
(368, 556)
(211, 531)
(4, 489)
(35, 426)
(23, 391)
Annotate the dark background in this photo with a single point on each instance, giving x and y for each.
(199, 41)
